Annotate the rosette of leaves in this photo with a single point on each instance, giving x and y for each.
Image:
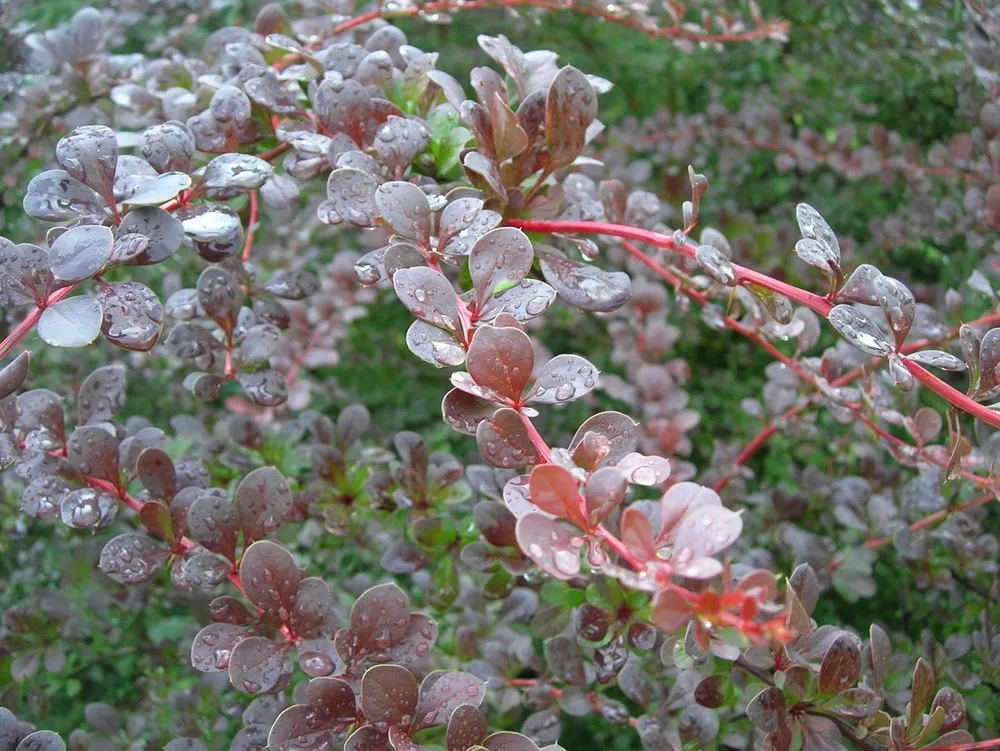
(500, 383)
(380, 629)
(245, 338)
(340, 464)
(35, 634)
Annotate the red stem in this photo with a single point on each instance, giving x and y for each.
(818, 304)
(978, 746)
(678, 31)
(768, 430)
(880, 542)
(251, 226)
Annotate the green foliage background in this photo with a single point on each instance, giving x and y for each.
(840, 54)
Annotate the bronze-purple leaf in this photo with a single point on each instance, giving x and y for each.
(132, 559)
(554, 545)
(555, 491)
(767, 709)
(466, 728)
(428, 295)
(133, 315)
(502, 360)
(841, 666)
(583, 285)
(263, 500)
(501, 256)
(212, 521)
(213, 647)
(389, 696)
(443, 691)
(259, 665)
(405, 209)
(270, 578)
(380, 617)
(563, 379)
(570, 107)
(504, 441)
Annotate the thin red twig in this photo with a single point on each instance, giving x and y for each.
(251, 226)
(816, 303)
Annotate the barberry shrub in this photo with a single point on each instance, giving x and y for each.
(196, 249)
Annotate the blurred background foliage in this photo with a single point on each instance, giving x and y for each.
(853, 61)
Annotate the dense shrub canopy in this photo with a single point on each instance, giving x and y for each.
(500, 374)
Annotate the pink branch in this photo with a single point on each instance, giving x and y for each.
(818, 304)
(251, 226)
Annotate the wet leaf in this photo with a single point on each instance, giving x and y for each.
(584, 286)
(164, 231)
(604, 491)
(156, 190)
(90, 154)
(259, 665)
(73, 322)
(133, 315)
(380, 617)
(570, 107)
(442, 692)
(564, 378)
(270, 578)
(388, 696)
(504, 441)
(101, 396)
(80, 252)
(555, 491)
(212, 522)
(405, 209)
(241, 171)
(54, 196)
(88, 508)
(132, 559)
(263, 500)
(466, 728)
(24, 274)
(552, 544)
(351, 197)
(501, 256)
(860, 331)
(428, 295)
(13, 374)
(613, 435)
(502, 360)
(434, 345)
(94, 452)
(463, 411)
(815, 229)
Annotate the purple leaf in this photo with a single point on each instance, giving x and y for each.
(270, 578)
(562, 379)
(584, 286)
(501, 256)
(504, 441)
(552, 544)
(502, 360)
(260, 666)
(389, 696)
(428, 295)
